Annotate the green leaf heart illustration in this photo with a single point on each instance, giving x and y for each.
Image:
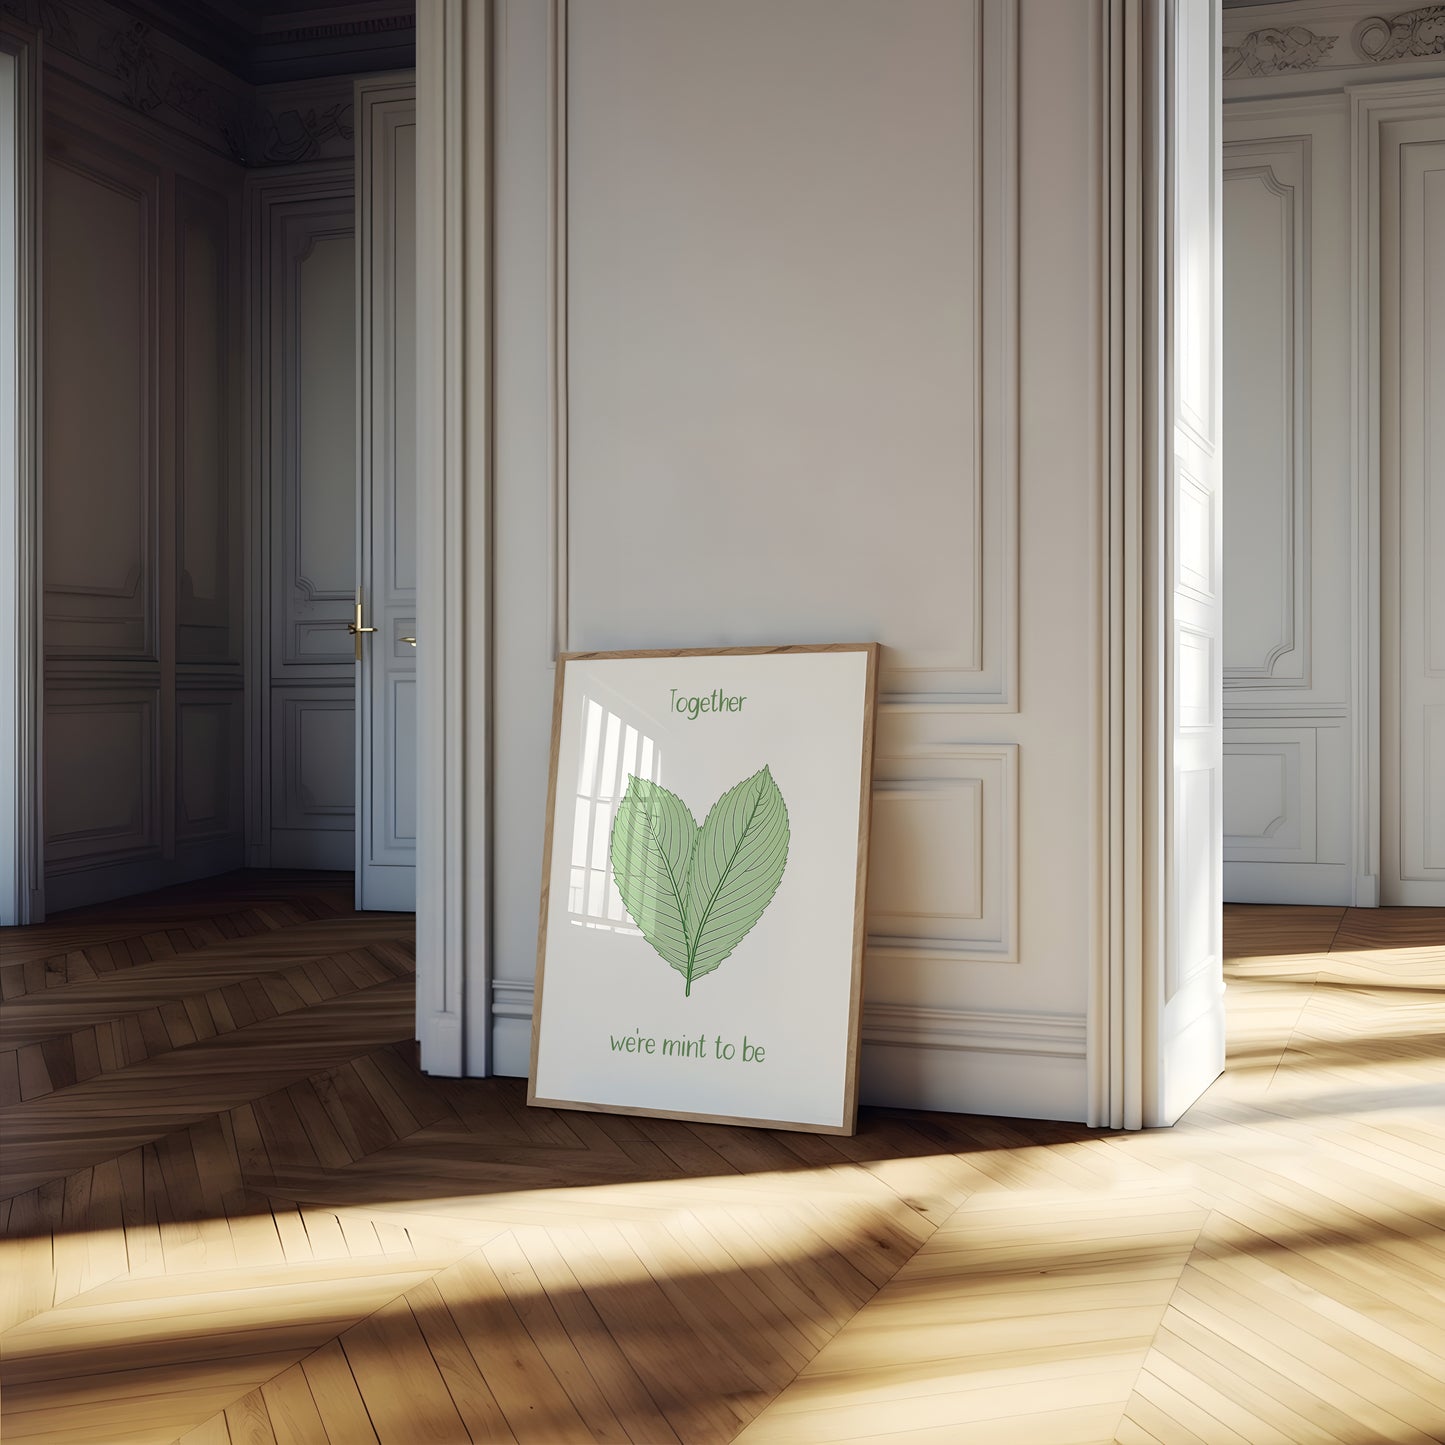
(697, 892)
(652, 843)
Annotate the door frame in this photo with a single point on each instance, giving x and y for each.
(1129, 984)
(22, 881)
(454, 524)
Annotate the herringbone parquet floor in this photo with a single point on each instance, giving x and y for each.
(234, 1213)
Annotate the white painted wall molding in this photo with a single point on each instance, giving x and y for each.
(1371, 107)
(1398, 131)
(1286, 828)
(22, 898)
(1268, 446)
(1131, 828)
(1246, 712)
(558, 552)
(1291, 407)
(1155, 1013)
(887, 1026)
(978, 670)
(913, 1025)
(454, 480)
(103, 576)
(1280, 106)
(944, 883)
(142, 541)
(104, 784)
(976, 1030)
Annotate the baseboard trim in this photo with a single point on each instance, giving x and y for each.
(77, 887)
(1018, 1064)
(328, 848)
(1303, 883)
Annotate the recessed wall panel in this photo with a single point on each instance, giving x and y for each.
(943, 854)
(773, 426)
(101, 786)
(314, 738)
(325, 381)
(206, 542)
(99, 409)
(1266, 392)
(208, 766)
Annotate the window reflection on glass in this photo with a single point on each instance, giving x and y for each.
(611, 751)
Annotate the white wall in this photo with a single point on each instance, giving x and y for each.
(1303, 706)
(799, 341)
(142, 504)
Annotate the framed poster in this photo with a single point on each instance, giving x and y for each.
(701, 940)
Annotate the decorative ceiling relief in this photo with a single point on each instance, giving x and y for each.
(284, 137)
(1408, 35)
(155, 75)
(1271, 50)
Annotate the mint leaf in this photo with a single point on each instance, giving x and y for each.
(737, 864)
(652, 842)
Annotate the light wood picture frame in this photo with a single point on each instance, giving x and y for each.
(704, 875)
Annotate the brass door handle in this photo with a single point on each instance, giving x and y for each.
(411, 640)
(355, 627)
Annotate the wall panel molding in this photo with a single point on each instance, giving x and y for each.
(979, 672)
(1023, 1064)
(1271, 783)
(101, 360)
(208, 500)
(143, 545)
(1268, 219)
(314, 732)
(208, 766)
(103, 784)
(944, 882)
(315, 439)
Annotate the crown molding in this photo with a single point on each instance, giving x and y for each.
(154, 75)
(1327, 44)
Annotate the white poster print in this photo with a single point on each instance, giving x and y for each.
(699, 949)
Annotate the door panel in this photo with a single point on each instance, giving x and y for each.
(1191, 1021)
(386, 674)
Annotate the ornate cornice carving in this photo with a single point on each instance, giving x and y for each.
(342, 29)
(1408, 35)
(155, 76)
(283, 137)
(1271, 50)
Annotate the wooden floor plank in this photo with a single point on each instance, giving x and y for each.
(386, 1350)
(338, 1401)
(234, 1210)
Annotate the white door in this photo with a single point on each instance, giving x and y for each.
(21, 875)
(386, 741)
(1412, 513)
(1190, 1021)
